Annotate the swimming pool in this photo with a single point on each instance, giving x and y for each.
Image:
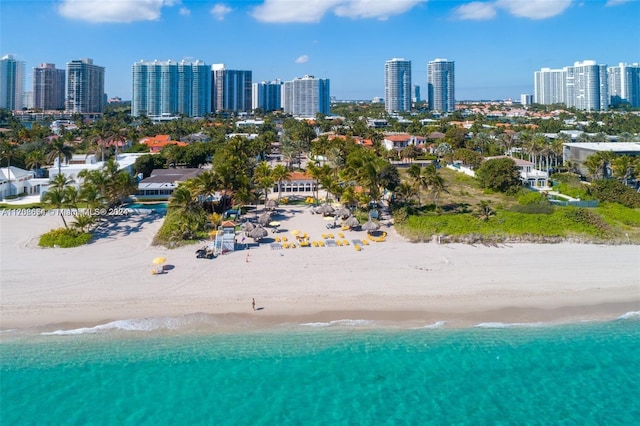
(158, 207)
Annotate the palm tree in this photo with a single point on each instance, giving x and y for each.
(484, 211)
(205, 186)
(60, 181)
(187, 210)
(61, 150)
(35, 159)
(263, 179)
(8, 151)
(83, 222)
(316, 172)
(622, 167)
(55, 197)
(435, 182)
(280, 174)
(418, 182)
(597, 164)
(405, 192)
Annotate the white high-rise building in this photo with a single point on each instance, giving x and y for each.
(306, 96)
(582, 86)
(441, 85)
(526, 99)
(397, 85)
(171, 88)
(550, 86)
(11, 83)
(624, 84)
(590, 86)
(267, 96)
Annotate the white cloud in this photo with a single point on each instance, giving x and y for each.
(616, 2)
(219, 11)
(302, 59)
(313, 10)
(475, 10)
(184, 11)
(113, 11)
(534, 9)
(380, 9)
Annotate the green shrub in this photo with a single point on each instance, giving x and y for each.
(611, 190)
(613, 212)
(65, 238)
(575, 191)
(400, 215)
(499, 174)
(587, 217)
(531, 197)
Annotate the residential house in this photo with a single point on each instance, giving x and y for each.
(156, 143)
(17, 181)
(162, 182)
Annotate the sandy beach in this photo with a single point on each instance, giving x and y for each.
(394, 282)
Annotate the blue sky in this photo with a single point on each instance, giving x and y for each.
(496, 44)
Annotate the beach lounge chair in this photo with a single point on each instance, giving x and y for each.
(345, 228)
(331, 236)
(340, 234)
(321, 243)
(365, 242)
(345, 242)
(278, 239)
(315, 243)
(285, 239)
(358, 248)
(285, 245)
(339, 243)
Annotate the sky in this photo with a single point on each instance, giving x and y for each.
(496, 44)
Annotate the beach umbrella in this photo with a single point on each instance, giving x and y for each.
(370, 226)
(159, 260)
(274, 223)
(343, 212)
(271, 204)
(325, 209)
(264, 219)
(352, 222)
(258, 233)
(247, 226)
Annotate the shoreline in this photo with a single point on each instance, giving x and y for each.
(395, 282)
(371, 321)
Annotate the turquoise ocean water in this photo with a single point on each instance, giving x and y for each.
(344, 373)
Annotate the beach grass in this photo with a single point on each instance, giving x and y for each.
(611, 223)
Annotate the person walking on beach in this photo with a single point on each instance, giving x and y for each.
(253, 303)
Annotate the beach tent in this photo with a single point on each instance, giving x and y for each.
(271, 204)
(258, 233)
(264, 219)
(343, 212)
(370, 226)
(325, 209)
(352, 222)
(247, 226)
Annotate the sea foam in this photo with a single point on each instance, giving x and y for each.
(343, 323)
(438, 324)
(630, 315)
(134, 325)
(509, 324)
